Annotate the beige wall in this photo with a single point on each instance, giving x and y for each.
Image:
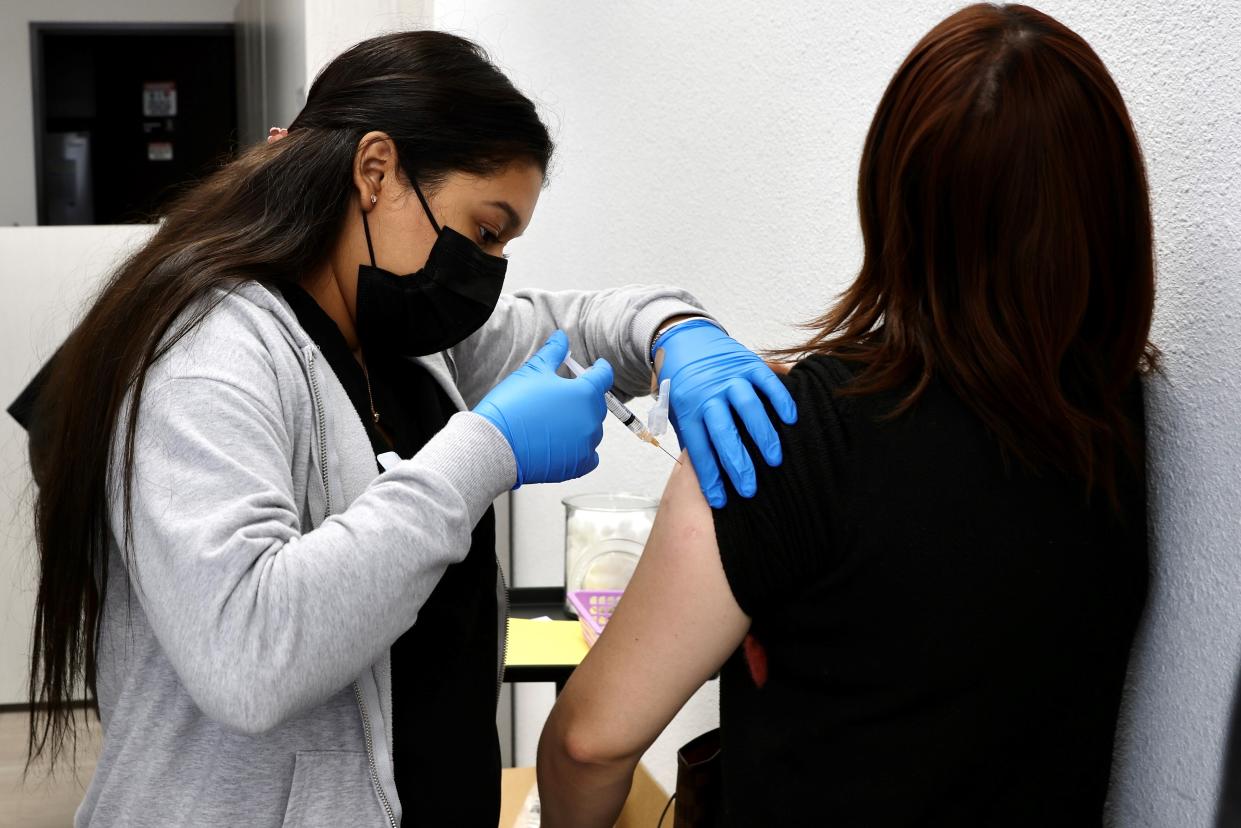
(49, 272)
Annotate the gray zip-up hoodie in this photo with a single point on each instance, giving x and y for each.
(244, 674)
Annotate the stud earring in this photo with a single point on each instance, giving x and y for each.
(374, 198)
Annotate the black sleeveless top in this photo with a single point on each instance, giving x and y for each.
(444, 679)
(939, 637)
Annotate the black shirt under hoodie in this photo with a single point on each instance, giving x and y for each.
(446, 751)
(939, 636)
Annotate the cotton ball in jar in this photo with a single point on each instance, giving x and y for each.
(610, 570)
(592, 523)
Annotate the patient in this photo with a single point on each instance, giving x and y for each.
(925, 615)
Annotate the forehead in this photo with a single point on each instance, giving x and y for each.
(518, 184)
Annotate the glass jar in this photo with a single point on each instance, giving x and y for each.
(603, 538)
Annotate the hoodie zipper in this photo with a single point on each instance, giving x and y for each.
(314, 393)
(370, 754)
(367, 734)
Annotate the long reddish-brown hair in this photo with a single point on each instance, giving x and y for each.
(1007, 233)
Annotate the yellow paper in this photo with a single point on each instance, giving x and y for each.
(544, 643)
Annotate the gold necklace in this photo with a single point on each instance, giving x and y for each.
(369, 396)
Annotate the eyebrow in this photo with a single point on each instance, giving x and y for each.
(513, 218)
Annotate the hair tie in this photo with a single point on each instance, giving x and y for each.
(275, 134)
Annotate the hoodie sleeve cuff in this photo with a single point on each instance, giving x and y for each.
(474, 457)
(645, 323)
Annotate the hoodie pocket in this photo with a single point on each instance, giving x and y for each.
(332, 787)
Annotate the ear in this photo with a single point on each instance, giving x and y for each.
(374, 165)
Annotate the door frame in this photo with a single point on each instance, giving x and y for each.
(39, 30)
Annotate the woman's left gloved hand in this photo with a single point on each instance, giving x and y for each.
(712, 376)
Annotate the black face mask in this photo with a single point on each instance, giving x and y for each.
(435, 308)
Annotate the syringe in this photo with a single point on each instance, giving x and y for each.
(621, 411)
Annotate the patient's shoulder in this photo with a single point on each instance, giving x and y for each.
(826, 369)
(775, 542)
(822, 378)
(818, 384)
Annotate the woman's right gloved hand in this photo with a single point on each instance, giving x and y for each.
(553, 424)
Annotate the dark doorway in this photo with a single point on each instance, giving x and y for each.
(126, 114)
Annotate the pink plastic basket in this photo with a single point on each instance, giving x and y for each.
(594, 607)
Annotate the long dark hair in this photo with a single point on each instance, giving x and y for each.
(1008, 244)
(270, 215)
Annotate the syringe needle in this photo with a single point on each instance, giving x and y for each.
(670, 454)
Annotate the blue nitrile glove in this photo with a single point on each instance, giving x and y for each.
(713, 375)
(553, 424)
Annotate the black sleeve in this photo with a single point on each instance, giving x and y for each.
(781, 539)
(22, 408)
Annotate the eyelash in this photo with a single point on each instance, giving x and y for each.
(484, 233)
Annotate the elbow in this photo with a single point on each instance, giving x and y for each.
(583, 780)
(585, 742)
(255, 721)
(247, 679)
(580, 746)
(247, 715)
(243, 701)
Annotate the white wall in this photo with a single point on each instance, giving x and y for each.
(17, 195)
(49, 273)
(334, 25)
(715, 145)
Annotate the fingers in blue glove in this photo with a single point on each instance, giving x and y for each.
(694, 437)
(589, 451)
(600, 376)
(591, 464)
(754, 416)
(729, 448)
(552, 353)
(553, 425)
(774, 388)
